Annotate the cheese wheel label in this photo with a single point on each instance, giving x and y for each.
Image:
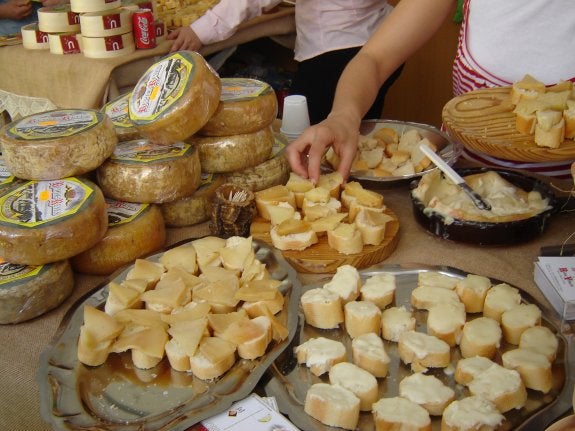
(69, 44)
(160, 29)
(12, 275)
(114, 43)
(112, 21)
(242, 88)
(279, 146)
(120, 212)
(55, 124)
(161, 86)
(6, 176)
(117, 110)
(38, 203)
(145, 151)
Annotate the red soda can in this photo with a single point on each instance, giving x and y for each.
(144, 30)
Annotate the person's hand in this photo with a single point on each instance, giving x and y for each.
(15, 9)
(305, 153)
(184, 39)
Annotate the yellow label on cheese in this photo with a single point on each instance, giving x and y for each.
(144, 151)
(280, 144)
(235, 89)
(37, 203)
(117, 110)
(6, 176)
(123, 212)
(55, 124)
(160, 87)
(12, 274)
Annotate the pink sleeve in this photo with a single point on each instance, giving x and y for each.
(222, 21)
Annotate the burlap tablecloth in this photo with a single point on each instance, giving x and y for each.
(23, 343)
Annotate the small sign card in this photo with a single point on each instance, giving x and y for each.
(555, 277)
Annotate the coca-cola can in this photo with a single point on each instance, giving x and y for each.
(144, 29)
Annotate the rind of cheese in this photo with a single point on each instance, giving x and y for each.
(58, 19)
(57, 144)
(107, 46)
(134, 230)
(175, 97)
(81, 6)
(272, 172)
(60, 219)
(27, 292)
(117, 110)
(140, 171)
(33, 38)
(223, 154)
(108, 22)
(246, 106)
(196, 208)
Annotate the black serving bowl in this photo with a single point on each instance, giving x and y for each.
(488, 233)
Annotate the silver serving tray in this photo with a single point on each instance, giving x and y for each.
(289, 382)
(117, 396)
(448, 149)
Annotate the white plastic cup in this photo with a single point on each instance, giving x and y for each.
(295, 117)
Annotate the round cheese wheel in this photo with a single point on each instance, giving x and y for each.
(47, 221)
(193, 209)
(106, 22)
(222, 154)
(274, 171)
(140, 171)
(58, 19)
(57, 144)
(33, 38)
(64, 43)
(29, 291)
(81, 6)
(175, 97)
(134, 230)
(117, 110)
(108, 46)
(246, 106)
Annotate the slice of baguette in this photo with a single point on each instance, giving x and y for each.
(500, 298)
(526, 88)
(293, 234)
(423, 351)
(345, 238)
(361, 317)
(398, 413)
(569, 118)
(427, 391)
(540, 339)
(368, 352)
(395, 321)
(468, 368)
(379, 289)
(549, 129)
(357, 380)
(501, 386)
(518, 319)
(446, 320)
(534, 368)
(332, 405)
(372, 225)
(470, 414)
(472, 291)
(480, 337)
(425, 297)
(320, 354)
(346, 282)
(322, 308)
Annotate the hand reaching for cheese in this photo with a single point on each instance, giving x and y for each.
(184, 39)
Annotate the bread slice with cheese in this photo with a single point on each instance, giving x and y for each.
(273, 195)
(549, 128)
(361, 317)
(569, 118)
(298, 185)
(471, 414)
(368, 352)
(213, 358)
(501, 386)
(446, 320)
(500, 298)
(527, 87)
(345, 238)
(346, 282)
(423, 351)
(332, 405)
(398, 413)
(480, 337)
(540, 339)
(517, 319)
(322, 308)
(372, 225)
(427, 391)
(293, 234)
(332, 182)
(395, 321)
(379, 289)
(320, 354)
(472, 291)
(533, 367)
(357, 380)
(436, 279)
(467, 369)
(425, 297)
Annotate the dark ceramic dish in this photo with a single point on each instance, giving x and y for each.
(486, 233)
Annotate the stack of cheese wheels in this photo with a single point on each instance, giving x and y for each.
(57, 144)
(175, 98)
(134, 230)
(117, 110)
(33, 38)
(62, 25)
(105, 32)
(141, 171)
(238, 136)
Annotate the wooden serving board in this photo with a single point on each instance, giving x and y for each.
(483, 120)
(320, 258)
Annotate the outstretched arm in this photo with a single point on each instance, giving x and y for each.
(403, 32)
